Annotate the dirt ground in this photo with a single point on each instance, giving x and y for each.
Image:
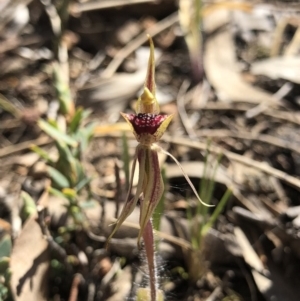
(229, 73)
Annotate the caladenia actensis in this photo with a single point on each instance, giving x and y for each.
(148, 126)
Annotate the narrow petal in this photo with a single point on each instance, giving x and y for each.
(147, 103)
(150, 78)
(163, 127)
(153, 190)
(127, 117)
(130, 204)
(185, 175)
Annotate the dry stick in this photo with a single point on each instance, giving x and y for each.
(263, 106)
(244, 201)
(8, 150)
(285, 116)
(295, 182)
(182, 111)
(219, 133)
(293, 47)
(53, 245)
(75, 287)
(54, 18)
(140, 40)
(278, 37)
(137, 42)
(109, 275)
(215, 294)
(120, 241)
(10, 124)
(100, 4)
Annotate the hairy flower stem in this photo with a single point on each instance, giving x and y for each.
(149, 248)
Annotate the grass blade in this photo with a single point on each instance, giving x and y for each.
(56, 134)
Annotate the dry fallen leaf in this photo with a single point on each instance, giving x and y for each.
(221, 66)
(29, 264)
(287, 68)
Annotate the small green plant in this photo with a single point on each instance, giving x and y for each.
(5, 250)
(71, 134)
(201, 221)
(67, 174)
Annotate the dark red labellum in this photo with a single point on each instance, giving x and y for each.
(146, 123)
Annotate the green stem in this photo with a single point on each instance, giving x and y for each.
(149, 248)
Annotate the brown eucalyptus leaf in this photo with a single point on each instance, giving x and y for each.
(29, 264)
(287, 68)
(222, 68)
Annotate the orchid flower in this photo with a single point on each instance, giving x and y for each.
(148, 126)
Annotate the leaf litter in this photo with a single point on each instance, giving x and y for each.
(246, 108)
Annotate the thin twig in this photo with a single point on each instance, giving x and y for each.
(137, 42)
(278, 37)
(219, 133)
(75, 287)
(54, 246)
(215, 294)
(293, 47)
(175, 240)
(120, 242)
(53, 17)
(262, 166)
(295, 182)
(102, 4)
(8, 150)
(182, 111)
(293, 117)
(263, 106)
(108, 276)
